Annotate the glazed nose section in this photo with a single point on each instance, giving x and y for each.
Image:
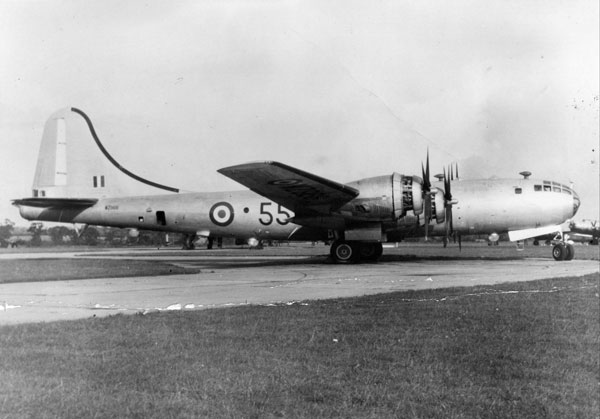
(576, 202)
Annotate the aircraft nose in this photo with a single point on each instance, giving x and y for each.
(576, 202)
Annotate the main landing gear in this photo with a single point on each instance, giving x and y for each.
(563, 251)
(188, 242)
(352, 251)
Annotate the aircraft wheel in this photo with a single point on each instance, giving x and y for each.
(570, 252)
(343, 252)
(559, 251)
(188, 242)
(370, 251)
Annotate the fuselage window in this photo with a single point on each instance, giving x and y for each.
(518, 190)
(95, 179)
(102, 181)
(537, 188)
(35, 193)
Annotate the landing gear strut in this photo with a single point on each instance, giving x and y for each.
(352, 251)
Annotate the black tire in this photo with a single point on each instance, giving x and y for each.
(570, 252)
(370, 251)
(559, 251)
(343, 252)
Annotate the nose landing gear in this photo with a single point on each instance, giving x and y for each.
(562, 250)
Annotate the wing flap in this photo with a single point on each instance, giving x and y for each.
(293, 188)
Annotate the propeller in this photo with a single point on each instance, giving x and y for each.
(448, 201)
(446, 177)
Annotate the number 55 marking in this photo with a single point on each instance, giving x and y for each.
(267, 217)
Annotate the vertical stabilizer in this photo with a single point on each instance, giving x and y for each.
(73, 163)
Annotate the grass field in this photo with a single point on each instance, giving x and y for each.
(29, 270)
(515, 350)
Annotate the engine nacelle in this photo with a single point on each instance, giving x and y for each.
(386, 197)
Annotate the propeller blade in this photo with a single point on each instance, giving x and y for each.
(426, 175)
(447, 192)
(459, 242)
(427, 172)
(448, 203)
(448, 221)
(426, 194)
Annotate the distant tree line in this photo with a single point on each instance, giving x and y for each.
(37, 235)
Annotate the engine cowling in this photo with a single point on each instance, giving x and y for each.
(386, 197)
(438, 206)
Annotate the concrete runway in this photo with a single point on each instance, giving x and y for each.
(227, 280)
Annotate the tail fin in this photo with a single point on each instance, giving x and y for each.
(73, 163)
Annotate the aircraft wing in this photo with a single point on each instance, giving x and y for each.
(56, 202)
(295, 189)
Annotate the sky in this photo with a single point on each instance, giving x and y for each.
(342, 89)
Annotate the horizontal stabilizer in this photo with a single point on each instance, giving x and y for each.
(528, 233)
(56, 202)
(293, 188)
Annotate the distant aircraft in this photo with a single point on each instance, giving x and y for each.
(587, 229)
(78, 181)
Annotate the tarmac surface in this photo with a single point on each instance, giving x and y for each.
(230, 279)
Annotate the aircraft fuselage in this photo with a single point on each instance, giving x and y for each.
(483, 207)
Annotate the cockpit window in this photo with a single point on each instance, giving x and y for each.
(556, 187)
(553, 187)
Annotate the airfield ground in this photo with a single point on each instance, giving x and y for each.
(429, 332)
(70, 285)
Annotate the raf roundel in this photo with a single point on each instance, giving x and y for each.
(285, 182)
(221, 214)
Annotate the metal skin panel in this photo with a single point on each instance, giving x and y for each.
(291, 187)
(483, 207)
(486, 206)
(239, 214)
